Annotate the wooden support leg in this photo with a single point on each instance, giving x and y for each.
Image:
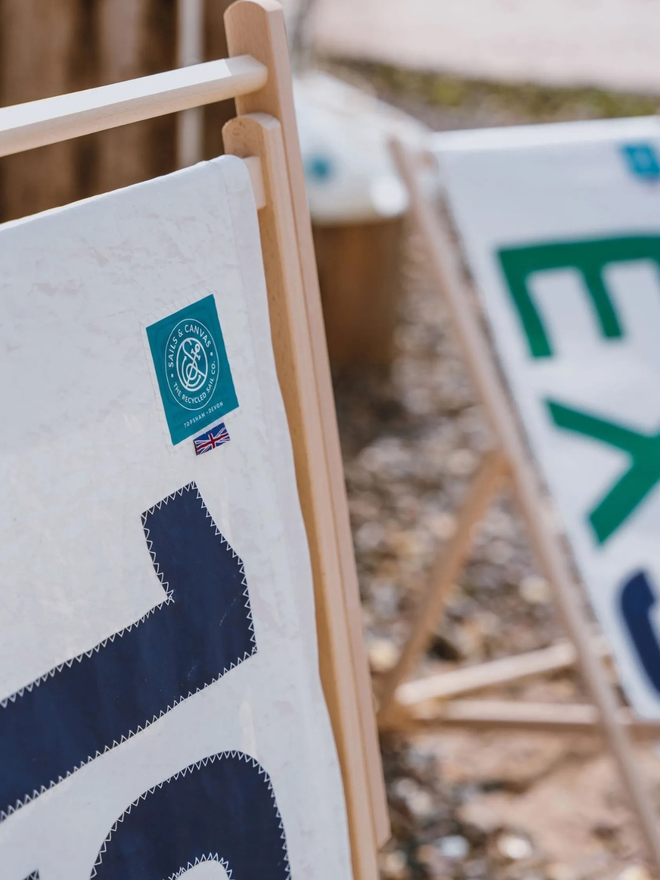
(445, 570)
(257, 29)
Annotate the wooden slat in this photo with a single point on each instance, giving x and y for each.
(261, 135)
(446, 685)
(534, 717)
(446, 568)
(247, 21)
(48, 121)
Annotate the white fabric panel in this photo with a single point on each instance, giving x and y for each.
(538, 185)
(84, 450)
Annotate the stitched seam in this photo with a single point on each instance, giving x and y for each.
(5, 813)
(211, 857)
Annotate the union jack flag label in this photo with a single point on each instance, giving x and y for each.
(210, 439)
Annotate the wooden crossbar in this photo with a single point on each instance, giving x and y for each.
(38, 123)
(446, 685)
(446, 569)
(533, 717)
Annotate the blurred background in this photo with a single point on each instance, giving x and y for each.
(463, 804)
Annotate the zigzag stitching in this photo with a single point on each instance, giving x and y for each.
(189, 487)
(211, 857)
(169, 598)
(33, 876)
(4, 814)
(211, 759)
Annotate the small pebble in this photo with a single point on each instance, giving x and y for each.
(634, 872)
(454, 846)
(499, 552)
(514, 847)
(560, 871)
(535, 590)
(393, 865)
(462, 462)
(369, 536)
(383, 654)
(404, 787)
(411, 543)
(443, 526)
(385, 597)
(421, 804)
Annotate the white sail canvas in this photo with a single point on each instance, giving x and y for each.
(560, 226)
(157, 633)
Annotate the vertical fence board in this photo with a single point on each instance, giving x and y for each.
(135, 38)
(49, 47)
(44, 46)
(215, 46)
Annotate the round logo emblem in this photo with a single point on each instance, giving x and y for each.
(191, 364)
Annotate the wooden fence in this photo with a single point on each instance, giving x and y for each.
(48, 47)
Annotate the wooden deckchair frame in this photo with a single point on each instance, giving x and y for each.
(257, 75)
(407, 706)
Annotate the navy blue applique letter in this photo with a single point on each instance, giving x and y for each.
(222, 809)
(93, 702)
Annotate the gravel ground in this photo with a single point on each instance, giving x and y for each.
(467, 804)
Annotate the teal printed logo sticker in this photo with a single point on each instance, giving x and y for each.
(192, 369)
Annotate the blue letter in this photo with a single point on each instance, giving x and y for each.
(222, 809)
(93, 702)
(637, 601)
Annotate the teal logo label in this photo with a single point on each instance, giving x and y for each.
(192, 363)
(192, 369)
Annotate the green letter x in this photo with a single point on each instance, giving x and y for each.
(635, 484)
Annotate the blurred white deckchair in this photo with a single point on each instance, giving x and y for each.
(557, 228)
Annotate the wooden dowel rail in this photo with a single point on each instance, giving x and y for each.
(556, 718)
(50, 120)
(446, 685)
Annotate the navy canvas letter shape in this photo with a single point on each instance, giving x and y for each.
(637, 602)
(222, 810)
(93, 702)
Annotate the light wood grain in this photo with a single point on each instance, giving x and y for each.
(257, 29)
(554, 718)
(261, 135)
(447, 566)
(494, 673)
(25, 126)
